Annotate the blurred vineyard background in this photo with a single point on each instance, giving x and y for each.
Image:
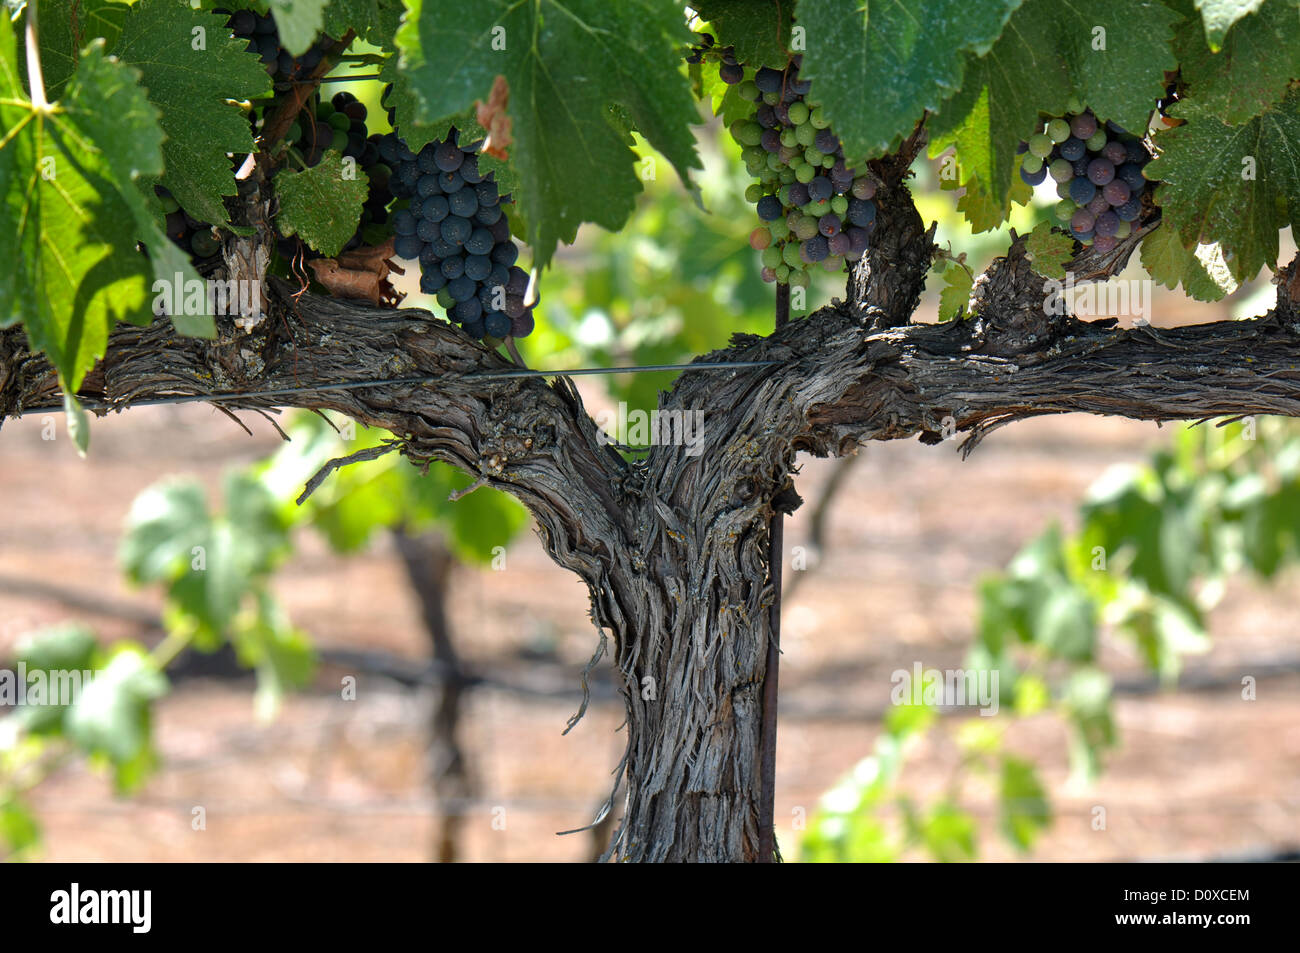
(1123, 690)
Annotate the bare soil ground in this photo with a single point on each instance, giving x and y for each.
(1198, 774)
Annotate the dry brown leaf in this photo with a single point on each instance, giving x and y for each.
(492, 117)
(360, 273)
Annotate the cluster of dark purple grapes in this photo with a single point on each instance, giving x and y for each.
(340, 124)
(186, 231)
(815, 208)
(264, 40)
(453, 223)
(1098, 173)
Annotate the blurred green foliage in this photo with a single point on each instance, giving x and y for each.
(1151, 556)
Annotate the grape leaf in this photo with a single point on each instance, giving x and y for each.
(1203, 272)
(995, 110)
(1023, 807)
(113, 714)
(192, 88)
(758, 29)
(298, 22)
(375, 21)
(955, 294)
(1235, 185)
(1253, 69)
(906, 52)
(111, 109)
(565, 62)
(1111, 54)
(1049, 250)
(322, 204)
(64, 35)
(71, 268)
(1220, 15)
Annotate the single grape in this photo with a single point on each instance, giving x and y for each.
(1098, 204)
(1040, 145)
(1130, 210)
(1117, 192)
(731, 73)
(1031, 163)
(864, 188)
(1073, 149)
(1082, 221)
(407, 246)
(1058, 130)
(1033, 178)
(1064, 209)
(453, 267)
(1061, 170)
(861, 212)
(760, 238)
(403, 222)
(1101, 171)
(1083, 126)
(814, 249)
(769, 207)
(1082, 191)
(1107, 224)
(496, 325)
(820, 188)
(1115, 152)
(506, 253)
(829, 225)
(768, 80)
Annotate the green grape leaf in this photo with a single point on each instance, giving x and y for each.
(375, 21)
(164, 524)
(72, 268)
(322, 204)
(1234, 185)
(565, 62)
(1049, 250)
(1220, 15)
(955, 294)
(949, 833)
(109, 107)
(1022, 803)
(113, 715)
(281, 654)
(193, 89)
(58, 651)
(1069, 50)
(298, 22)
(907, 53)
(1253, 69)
(758, 29)
(19, 829)
(64, 35)
(1202, 271)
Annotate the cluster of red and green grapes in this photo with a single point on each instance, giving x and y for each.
(1098, 173)
(815, 208)
(450, 218)
(264, 39)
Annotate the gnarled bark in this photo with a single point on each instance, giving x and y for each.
(674, 548)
